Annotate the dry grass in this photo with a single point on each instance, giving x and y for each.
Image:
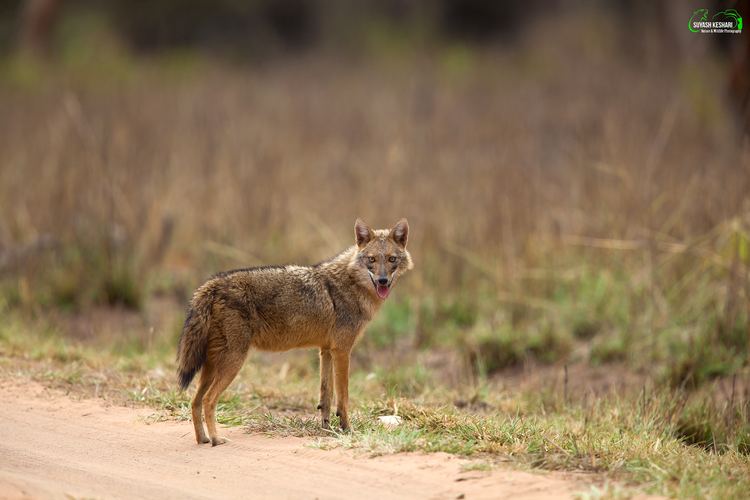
(502, 162)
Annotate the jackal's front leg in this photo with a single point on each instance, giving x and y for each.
(326, 387)
(341, 375)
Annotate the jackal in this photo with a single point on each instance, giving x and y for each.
(277, 308)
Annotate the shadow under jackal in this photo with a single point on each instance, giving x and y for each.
(277, 308)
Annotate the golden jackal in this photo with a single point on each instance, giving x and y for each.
(279, 308)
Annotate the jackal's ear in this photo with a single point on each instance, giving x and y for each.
(400, 232)
(362, 233)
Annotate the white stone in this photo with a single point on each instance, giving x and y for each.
(390, 420)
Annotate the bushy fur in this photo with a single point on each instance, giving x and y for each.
(279, 308)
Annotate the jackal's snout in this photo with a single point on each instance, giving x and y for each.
(382, 285)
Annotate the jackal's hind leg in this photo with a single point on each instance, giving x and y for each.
(207, 377)
(226, 369)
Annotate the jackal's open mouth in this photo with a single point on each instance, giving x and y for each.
(381, 290)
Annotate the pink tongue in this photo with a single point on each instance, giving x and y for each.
(383, 291)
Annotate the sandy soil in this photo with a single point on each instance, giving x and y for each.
(57, 447)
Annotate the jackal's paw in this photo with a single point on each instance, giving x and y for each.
(326, 424)
(216, 441)
(203, 440)
(343, 422)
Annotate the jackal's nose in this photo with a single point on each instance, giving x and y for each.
(382, 281)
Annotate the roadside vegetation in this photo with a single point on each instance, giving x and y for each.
(687, 443)
(581, 297)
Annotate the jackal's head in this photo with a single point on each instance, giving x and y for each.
(381, 256)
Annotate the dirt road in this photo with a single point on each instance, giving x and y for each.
(56, 447)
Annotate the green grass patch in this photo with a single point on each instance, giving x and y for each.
(621, 438)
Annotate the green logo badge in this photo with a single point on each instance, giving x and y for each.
(726, 21)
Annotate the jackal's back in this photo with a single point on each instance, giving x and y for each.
(274, 308)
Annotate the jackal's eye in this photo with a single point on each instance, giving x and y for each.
(392, 259)
(371, 259)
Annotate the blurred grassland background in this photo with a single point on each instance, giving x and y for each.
(577, 188)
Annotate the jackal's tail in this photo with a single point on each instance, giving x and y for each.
(191, 350)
